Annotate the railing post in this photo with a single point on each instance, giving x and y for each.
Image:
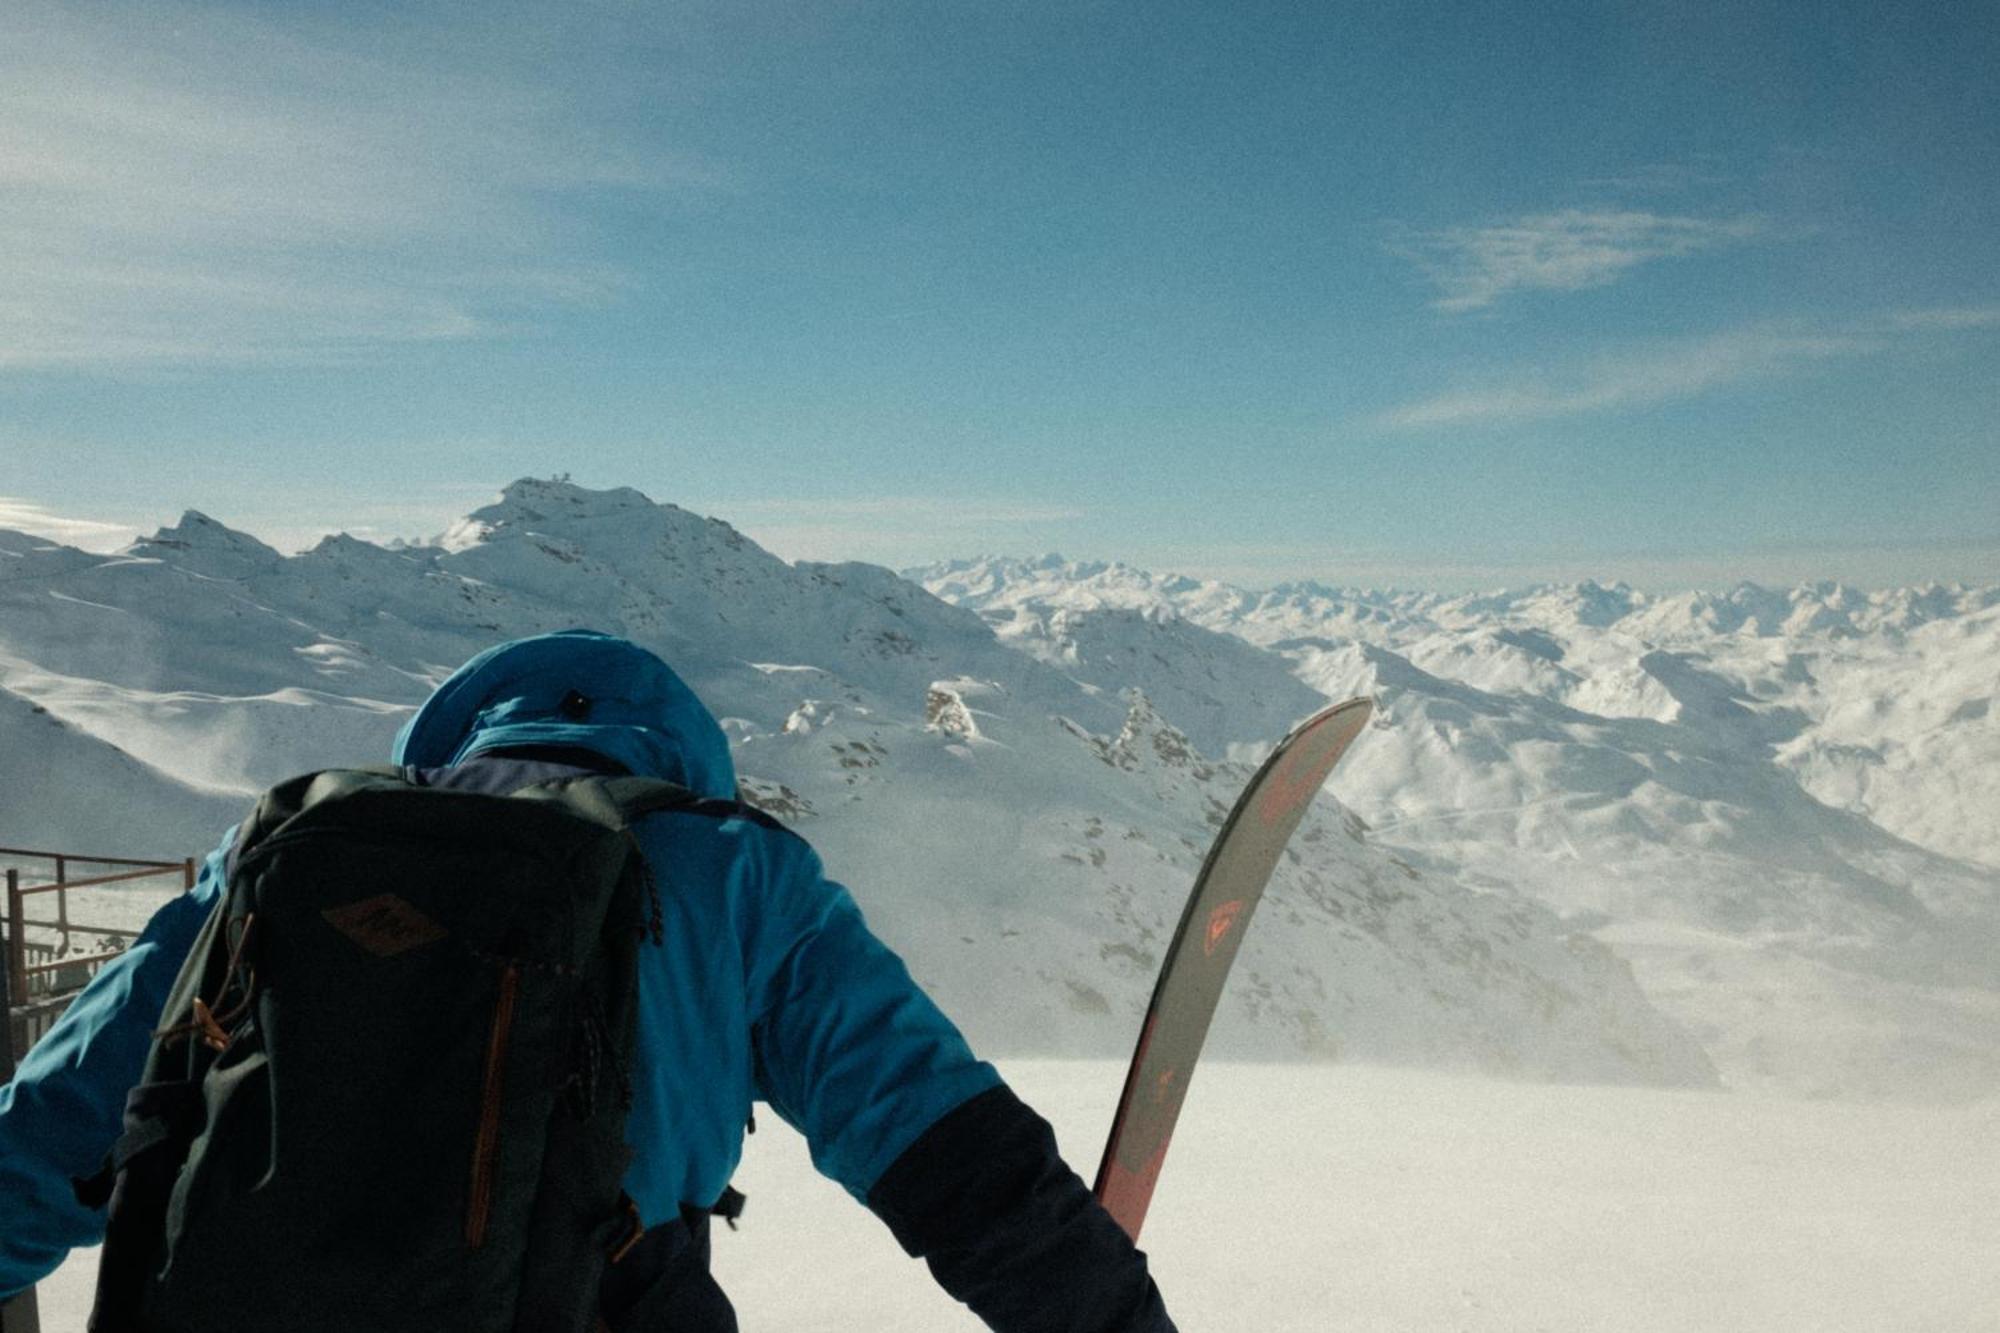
(62, 900)
(20, 1315)
(187, 874)
(17, 941)
(9, 969)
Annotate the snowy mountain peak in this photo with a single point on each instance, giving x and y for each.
(544, 504)
(623, 526)
(534, 497)
(354, 558)
(197, 529)
(201, 544)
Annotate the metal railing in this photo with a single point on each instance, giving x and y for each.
(49, 961)
(40, 976)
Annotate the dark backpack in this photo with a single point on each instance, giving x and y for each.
(391, 1083)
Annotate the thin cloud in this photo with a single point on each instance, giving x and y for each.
(193, 187)
(1567, 251)
(1678, 369)
(1663, 373)
(87, 534)
(1947, 320)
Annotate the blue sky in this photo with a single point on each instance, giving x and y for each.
(1427, 295)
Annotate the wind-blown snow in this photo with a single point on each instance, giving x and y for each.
(1023, 826)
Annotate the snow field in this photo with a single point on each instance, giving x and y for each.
(1307, 1198)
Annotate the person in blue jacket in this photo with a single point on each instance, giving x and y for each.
(769, 987)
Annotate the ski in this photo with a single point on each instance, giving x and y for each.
(1218, 911)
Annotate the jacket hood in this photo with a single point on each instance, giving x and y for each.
(636, 711)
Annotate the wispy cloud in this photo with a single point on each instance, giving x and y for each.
(182, 186)
(1567, 251)
(1947, 320)
(87, 534)
(1674, 369)
(1663, 372)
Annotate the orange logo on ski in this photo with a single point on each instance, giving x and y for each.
(1220, 922)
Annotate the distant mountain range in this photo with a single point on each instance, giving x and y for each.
(1779, 805)
(1594, 834)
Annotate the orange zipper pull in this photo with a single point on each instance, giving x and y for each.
(638, 1232)
(212, 1035)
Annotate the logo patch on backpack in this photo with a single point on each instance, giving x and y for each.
(385, 925)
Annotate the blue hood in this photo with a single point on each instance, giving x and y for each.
(641, 714)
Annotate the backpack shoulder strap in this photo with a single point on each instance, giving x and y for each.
(635, 797)
(615, 803)
(638, 797)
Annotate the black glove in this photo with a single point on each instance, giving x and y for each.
(985, 1198)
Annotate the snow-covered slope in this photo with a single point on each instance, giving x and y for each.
(66, 790)
(1886, 697)
(1021, 828)
(1779, 804)
(1225, 694)
(1355, 953)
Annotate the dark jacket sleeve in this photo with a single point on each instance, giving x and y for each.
(1008, 1228)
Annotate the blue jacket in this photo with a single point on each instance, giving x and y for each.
(797, 1003)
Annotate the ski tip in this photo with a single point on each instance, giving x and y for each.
(1357, 710)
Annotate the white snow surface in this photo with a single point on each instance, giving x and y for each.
(1302, 1198)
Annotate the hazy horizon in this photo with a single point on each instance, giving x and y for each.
(1883, 569)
